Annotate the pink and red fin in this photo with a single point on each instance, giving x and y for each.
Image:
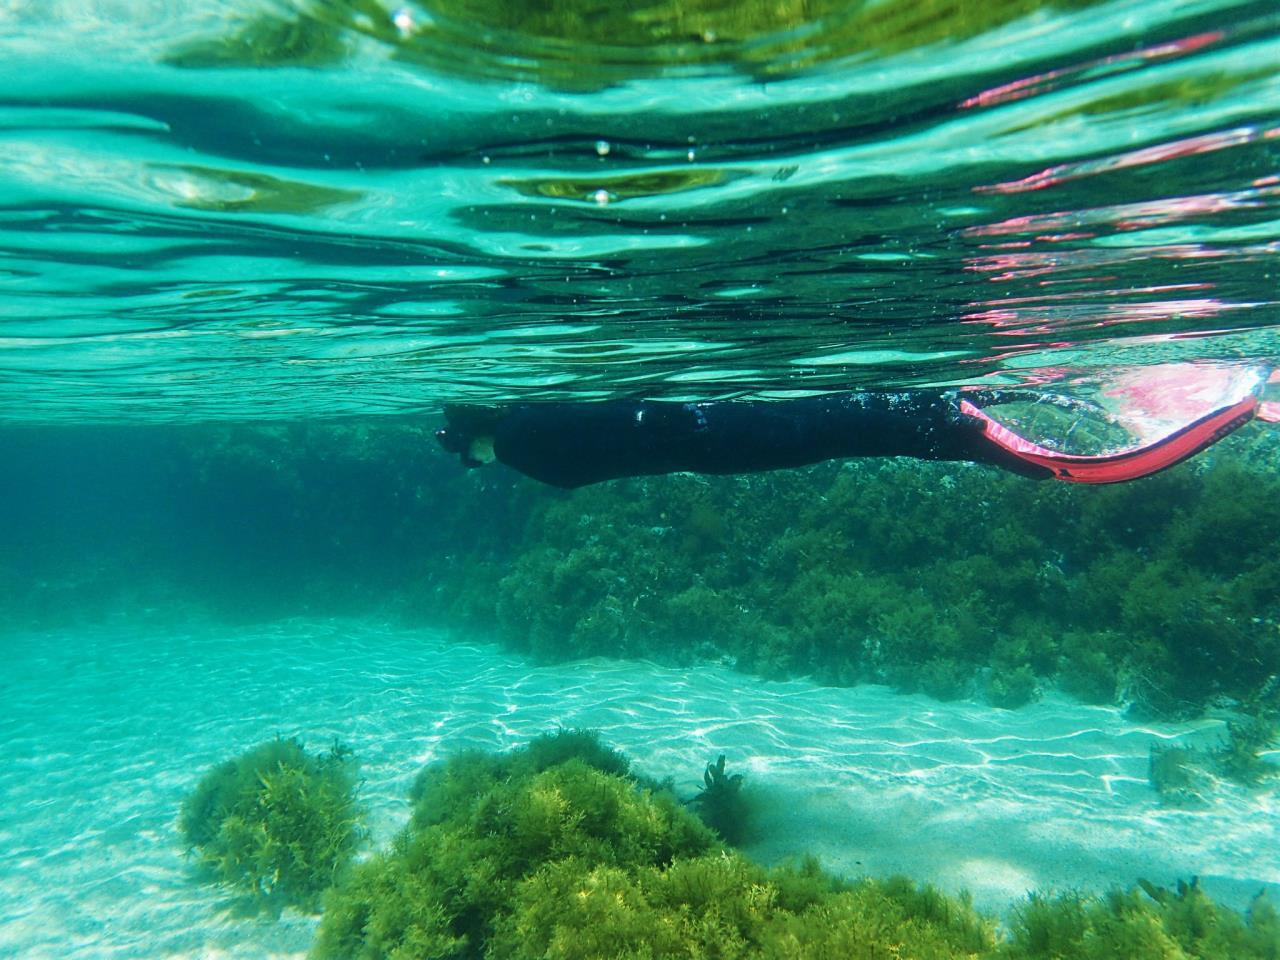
(1171, 412)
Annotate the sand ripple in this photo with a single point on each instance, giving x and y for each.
(105, 732)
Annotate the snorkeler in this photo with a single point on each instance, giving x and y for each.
(574, 444)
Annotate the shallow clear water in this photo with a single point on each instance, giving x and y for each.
(106, 731)
(271, 209)
(285, 211)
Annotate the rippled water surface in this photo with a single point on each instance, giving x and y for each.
(322, 207)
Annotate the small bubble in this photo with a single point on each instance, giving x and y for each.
(602, 197)
(691, 155)
(602, 147)
(485, 160)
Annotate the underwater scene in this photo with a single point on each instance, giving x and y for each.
(780, 479)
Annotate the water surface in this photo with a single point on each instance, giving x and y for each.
(263, 210)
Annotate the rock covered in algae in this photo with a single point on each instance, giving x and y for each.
(276, 823)
(507, 858)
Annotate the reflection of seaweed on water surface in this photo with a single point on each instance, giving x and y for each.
(621, 187)
(590, 43)
(303, 40)
(243, 191)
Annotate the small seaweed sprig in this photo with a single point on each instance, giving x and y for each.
(716, 780)
(721, 804)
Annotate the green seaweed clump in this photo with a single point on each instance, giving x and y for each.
(507, 861)
(723, 804)
(934, 578)
(1239, 757)
(442, 788)
(1183, 775)
(1152, 923)
(451, 877)
(276, 823)
(1177, 775)
(726, 906)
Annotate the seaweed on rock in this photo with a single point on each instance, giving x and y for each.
(536, 854)
(517, 861)
(941, 578)
(451, 784)
(726, 906)
(443, 886)
(1146, 923)
(521, 861)
(276, 823)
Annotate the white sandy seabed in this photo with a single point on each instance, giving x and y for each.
(104, 732)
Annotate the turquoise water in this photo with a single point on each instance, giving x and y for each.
(1051, 797)
(230, 224)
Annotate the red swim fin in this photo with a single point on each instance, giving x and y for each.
(1129, 464)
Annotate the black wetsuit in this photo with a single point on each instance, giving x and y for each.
(573, 444)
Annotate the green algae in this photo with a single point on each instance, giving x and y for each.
(1185, 776)
(954, 581)
(571, 861)
(518, 861)
(1146, 923)
(276, 823)
(724, 804)
(450, 878)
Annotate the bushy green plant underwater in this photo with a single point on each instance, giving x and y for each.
(1184, 775)
(276, 823)
(1146, 923)
(953, 580)
(558, 851)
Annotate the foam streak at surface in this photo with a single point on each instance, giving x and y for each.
(105, 731)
